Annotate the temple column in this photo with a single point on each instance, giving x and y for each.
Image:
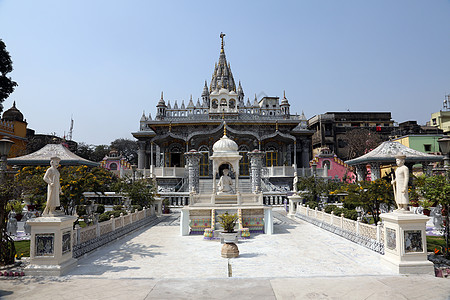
(141, 154)
(295, 156)
(375, 171)
(361, 172)
(256, 161)
(305, 154)
(193, 161)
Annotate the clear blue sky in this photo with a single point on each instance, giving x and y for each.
(104, 62)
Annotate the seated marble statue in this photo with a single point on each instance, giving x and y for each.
(225, 183)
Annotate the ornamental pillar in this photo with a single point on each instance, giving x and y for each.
(256, 162)
(193, 161)
(141, 154)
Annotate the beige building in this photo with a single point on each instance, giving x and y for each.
(441, 119)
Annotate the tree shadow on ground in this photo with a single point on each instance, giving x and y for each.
(126, 252)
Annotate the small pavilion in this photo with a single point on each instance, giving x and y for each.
(42, 157)
(385, 154)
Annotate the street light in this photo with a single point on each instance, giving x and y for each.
(444, 144)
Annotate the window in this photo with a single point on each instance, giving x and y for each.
(215, 103)
(232, 103)
(271, 159)
(204, 164)
(427, 147)
(243, 164)
(434, 122)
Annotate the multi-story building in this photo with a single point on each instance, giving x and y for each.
(330, 129)
(264, 124)
(14, 127)
(441, 119)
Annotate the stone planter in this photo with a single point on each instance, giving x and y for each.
(230, 250)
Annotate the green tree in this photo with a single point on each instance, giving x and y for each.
(7, 85)
(8, 190)
(74, 181)
(316, 187)
(128, 148)
(369, 195)
(436, 189)
(141, 192)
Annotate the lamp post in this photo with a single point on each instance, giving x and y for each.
(444, 144)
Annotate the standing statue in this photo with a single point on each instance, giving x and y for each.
(295, 183)
(225, 183)
(400, 183)
(53, 188)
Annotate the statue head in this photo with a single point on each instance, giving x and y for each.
(400, 159)
(225, 172)
(54, 161)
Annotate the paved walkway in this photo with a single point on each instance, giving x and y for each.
(299, 261)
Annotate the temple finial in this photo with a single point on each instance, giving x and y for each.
(224, 128)
(222, 36)
(162, 95)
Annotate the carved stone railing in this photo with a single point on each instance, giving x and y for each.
(369, 236)
(91, 237)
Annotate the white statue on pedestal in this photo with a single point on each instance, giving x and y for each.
(295, 183)
(400, 183)
(53, 188)
(225, 183)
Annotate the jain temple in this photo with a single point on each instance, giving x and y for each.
(265, 124)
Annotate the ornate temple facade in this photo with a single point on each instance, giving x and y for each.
(264, 124)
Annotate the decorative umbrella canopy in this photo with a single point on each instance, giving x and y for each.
(43, 155)
(385, 154)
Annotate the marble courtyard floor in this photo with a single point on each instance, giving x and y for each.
(299, 261)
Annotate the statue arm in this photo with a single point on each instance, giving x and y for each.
(48, 178)
(405, 186)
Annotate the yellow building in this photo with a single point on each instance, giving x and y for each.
(441, 119)
(13, 126)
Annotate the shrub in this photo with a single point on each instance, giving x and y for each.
(107, 215)
(312, 204)
(228, 221)
(117, 207)
(100, 209)
(137, 206)
(81, 210)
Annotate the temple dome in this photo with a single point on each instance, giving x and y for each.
(225, 144)
(13, 114)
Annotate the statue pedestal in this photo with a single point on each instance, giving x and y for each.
(294, 201)
(51, 246)
(405, 244)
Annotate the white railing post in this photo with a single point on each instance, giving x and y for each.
(97, 229)
(342, 220)
(332, 218)
(78, 235)
(113, 223)
(122, 221)
(379, 231)
(315, 213)
(357, 225)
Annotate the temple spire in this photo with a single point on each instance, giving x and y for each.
(222, 35)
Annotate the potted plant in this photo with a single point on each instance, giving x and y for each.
(229, 248)
(426, 204)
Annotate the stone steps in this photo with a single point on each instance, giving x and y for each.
(206, 186)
